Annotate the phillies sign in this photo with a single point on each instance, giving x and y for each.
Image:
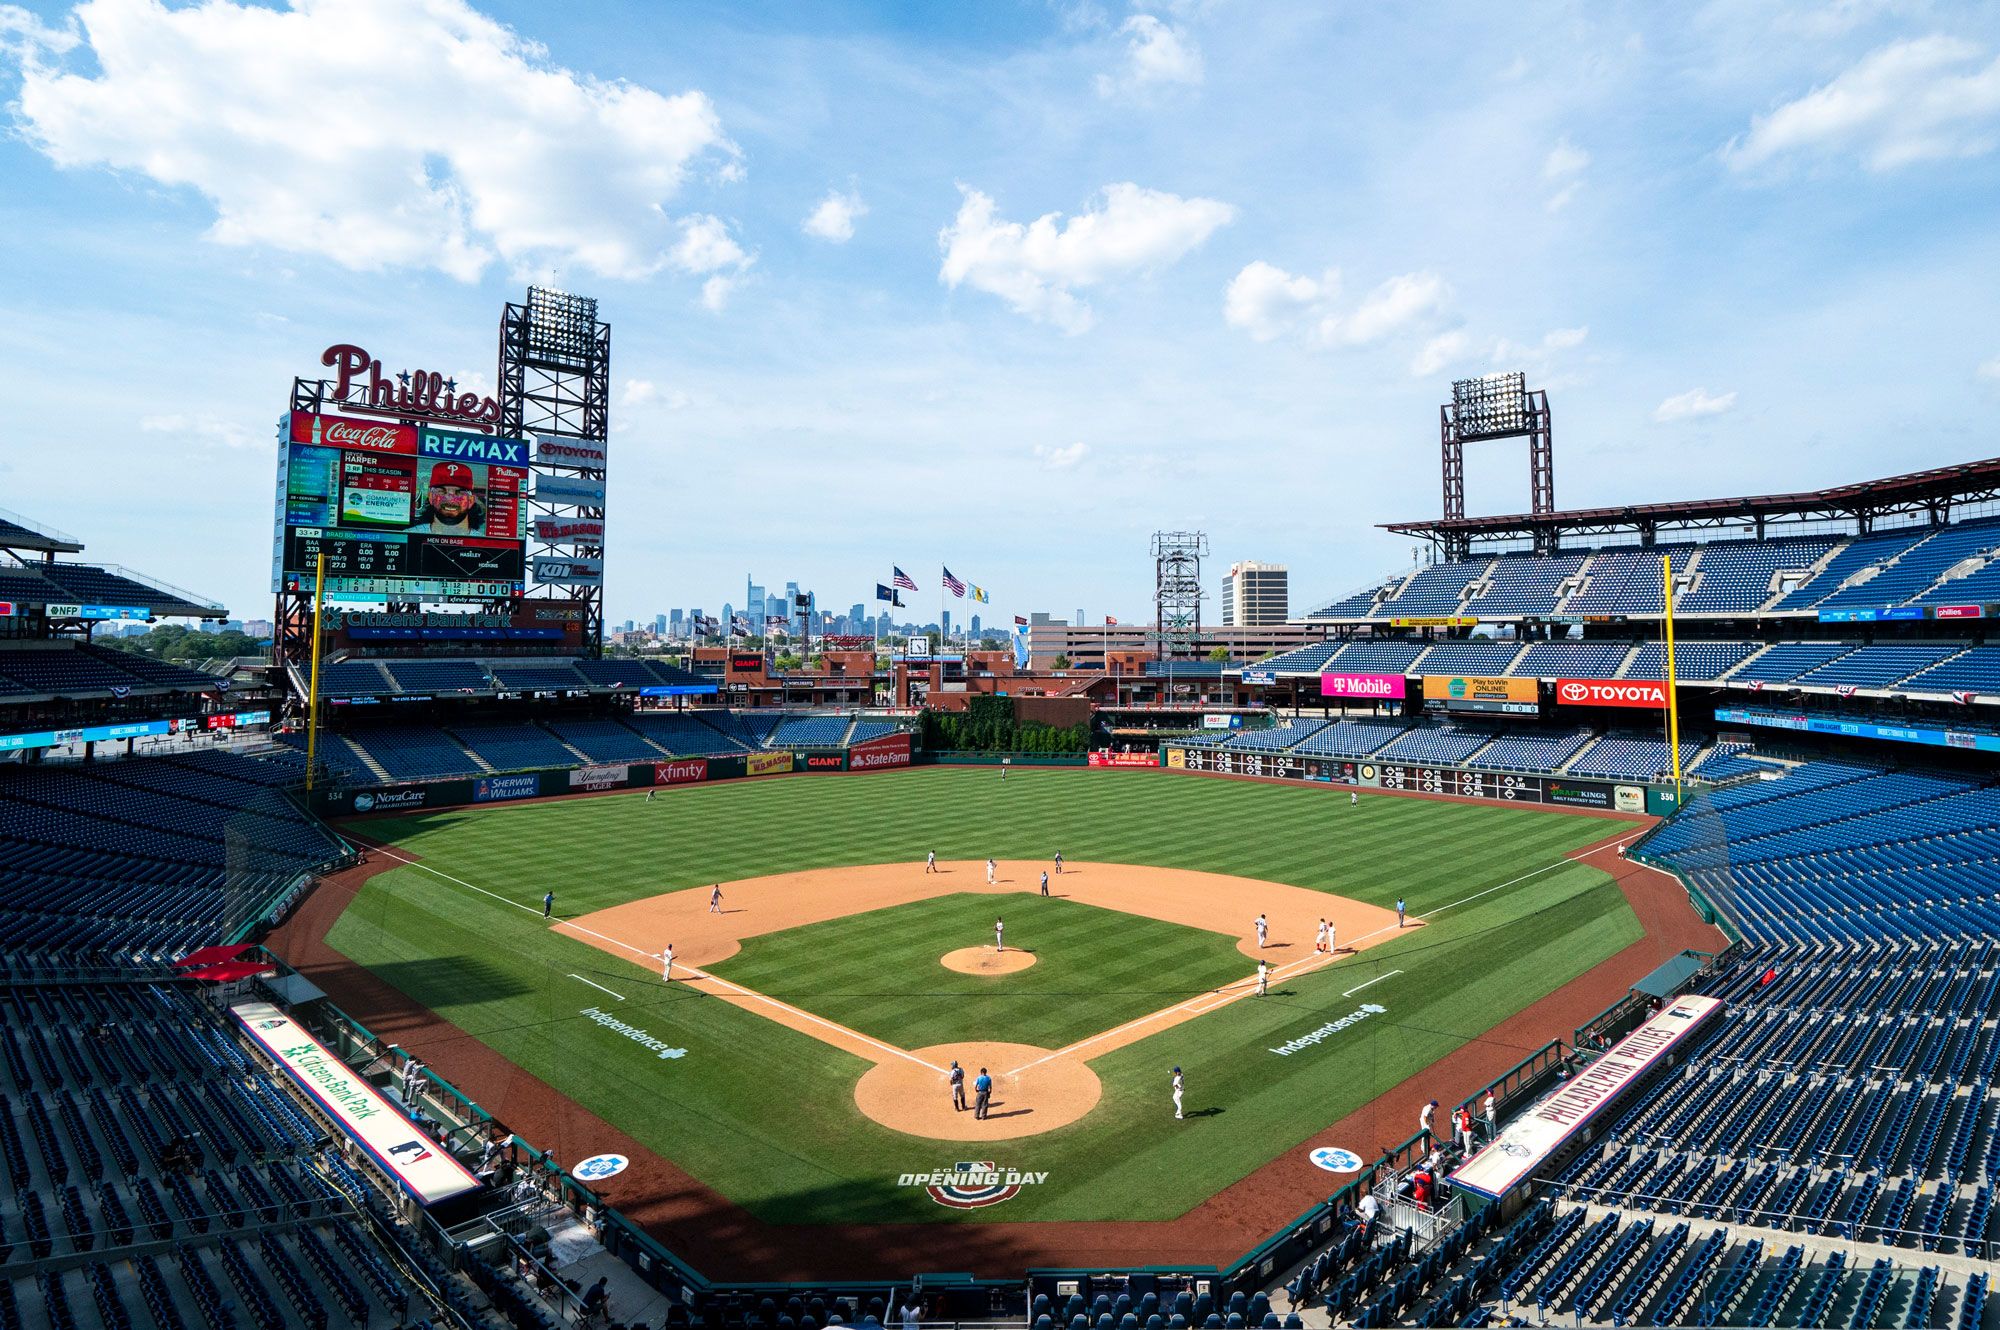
(1611, 693)
(360, 385)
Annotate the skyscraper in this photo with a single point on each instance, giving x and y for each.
(1255, 595)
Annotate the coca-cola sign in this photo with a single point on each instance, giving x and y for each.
(419, 394)
(368, 436)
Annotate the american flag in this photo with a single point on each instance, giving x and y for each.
(1110, 622)
(902, 579)
(952, 584)
(1020, 621)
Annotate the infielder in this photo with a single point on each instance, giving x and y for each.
(957, 1075)
(930, 862)
(1263, 977)
(1399, 911)
(667, 963)
(999, 935)
(1045, 881)
(1177, 1092)
(989, 872)
(548, 903)
(1263, 931)
(1319, 938)
(1058, 863)
(1332, 939)
(715, 899)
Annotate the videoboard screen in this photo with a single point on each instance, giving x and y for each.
(401, 511)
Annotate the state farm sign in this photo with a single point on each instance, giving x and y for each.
(1611, 693)
(891, 750)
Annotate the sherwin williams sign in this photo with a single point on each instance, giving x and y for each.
(1361, 685)
(423, 1167)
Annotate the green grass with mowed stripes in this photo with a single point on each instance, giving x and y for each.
(766, 1115)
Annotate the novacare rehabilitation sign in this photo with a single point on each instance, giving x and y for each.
(423, 1167)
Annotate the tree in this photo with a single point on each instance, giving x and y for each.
(1220, 655)
(1062, 661)
(175, 641)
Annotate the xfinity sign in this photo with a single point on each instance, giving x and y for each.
(1649, 693)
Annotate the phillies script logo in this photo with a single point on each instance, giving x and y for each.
(680, 773)
(360, 385)
(972, 1186)
(1611, 693)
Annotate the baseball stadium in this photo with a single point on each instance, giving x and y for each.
(1635, 960)
(1595, 920)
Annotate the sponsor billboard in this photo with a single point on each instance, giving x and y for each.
(569, 530)
(1931, 736)
(495, 789)
(891, 750)
(680, 771)
(1108, 759)
(96, 612)
(826, 761)
(746, 662)
(421, 1166)
(1365, 686)
(569, 572)
(569, 489)
(588, 454)
(1435, 621)
(1958, 611)
(1529, 1141)
(1576, 794)
(1890, 613)
(1650, 693)
(767, 764)
(1464, 692)
(600, 777)
(425, 514)
(391, 801)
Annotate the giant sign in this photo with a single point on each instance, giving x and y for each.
(422, 514)
(1465, 692)
(1612, 693)
(1531, 1140)
(419, 1165)
(1363, 686)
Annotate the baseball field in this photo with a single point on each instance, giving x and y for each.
(796, 1063)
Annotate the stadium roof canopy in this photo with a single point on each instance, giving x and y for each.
(18, 533)
(1931, 494)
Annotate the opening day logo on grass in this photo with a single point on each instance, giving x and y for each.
(972, 1186)
(1311, 1037)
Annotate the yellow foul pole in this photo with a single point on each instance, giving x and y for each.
(1673, 707)
(312, 685)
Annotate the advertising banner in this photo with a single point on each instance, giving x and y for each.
(96, 611)
(1108, 759)
(1459, 692)
(569, 489)
(767, 764)
(471, 447)
(890, 750)
(402, 799)
(588, 454)
(372, 436)
(1434, 621)
(1577, 793)
(600, 777)
(1650, 693)
(495, 789)
(569, 530)
(746, 662)
(1529, 1141)
(1365, 686)
(1958, 611)
(569, 572)
(825, 761)
(421, 1166)
(1932, 736)
(1265, 677)
(1213, 722)
(680, 771)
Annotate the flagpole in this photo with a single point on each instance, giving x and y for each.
(1673, 709)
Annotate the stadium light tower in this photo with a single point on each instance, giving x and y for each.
(1177, 593)
(1496, 406)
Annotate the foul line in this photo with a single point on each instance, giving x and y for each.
(599, 987)
(1234, 992)
(693, 973)
(1376, 980)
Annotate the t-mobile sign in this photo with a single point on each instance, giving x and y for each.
(1366, 686)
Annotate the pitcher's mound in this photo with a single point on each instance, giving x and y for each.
(1027, 1100)
(985, 960)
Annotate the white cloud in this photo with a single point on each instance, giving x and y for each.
(715, 292)
(1447, 348)
(1925, 99)
(1990, 369)
(1458, 347)
(215, 431)
(377, 133)
(1564, 168)
(834, 216)
(1562, 339)
(1390, 308)
(644, 392)
(1034, 267)
(1156, 54)
(1692, 403)
(1063, 458)
(1264, 300)
(24, 36)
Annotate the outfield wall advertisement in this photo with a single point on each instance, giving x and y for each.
(1611, 796)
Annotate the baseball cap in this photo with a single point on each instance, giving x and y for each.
(452, 473)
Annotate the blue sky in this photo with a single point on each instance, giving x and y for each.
(1006, 287)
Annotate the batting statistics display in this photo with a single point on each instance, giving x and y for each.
(400, 510)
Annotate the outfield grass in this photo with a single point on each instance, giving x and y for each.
(766, 1115)
(878, 972)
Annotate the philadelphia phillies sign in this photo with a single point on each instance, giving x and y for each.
(360, 385)
(1611, 693)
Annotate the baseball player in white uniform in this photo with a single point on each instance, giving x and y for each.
(999, 935)
(930, 862)
(989, 872)
(715, 899)
(667, 963)
(1319, 938)
(1177, 1091)
(1353, 798)
(1263, 931)
(1263, 977)
(1332, 939)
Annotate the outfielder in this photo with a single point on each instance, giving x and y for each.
(1177, 1092)
(989, 872)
